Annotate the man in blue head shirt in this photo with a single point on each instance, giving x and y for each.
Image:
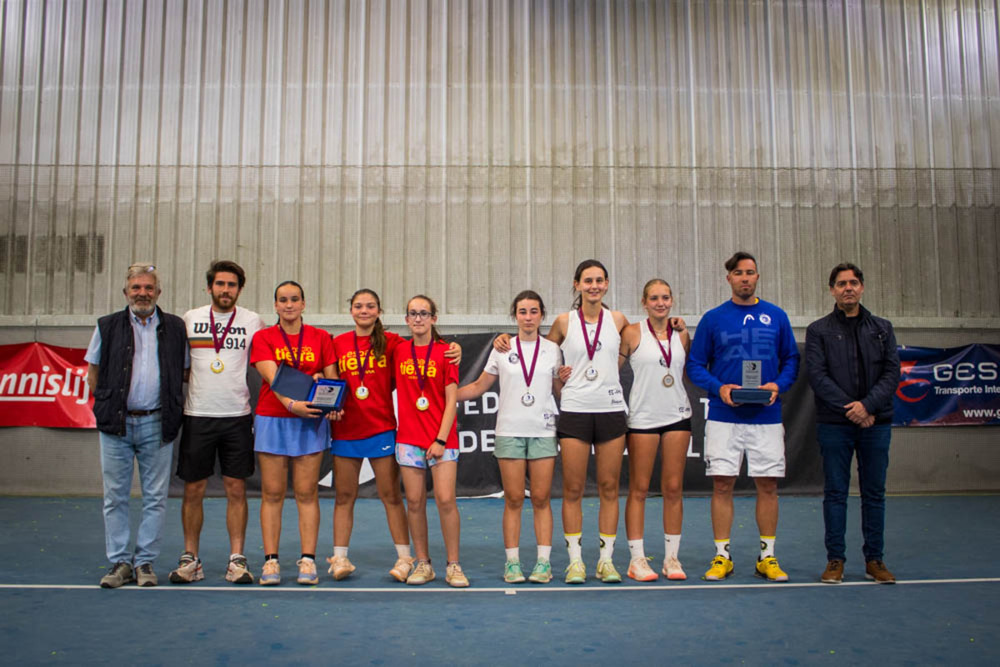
(746, 338)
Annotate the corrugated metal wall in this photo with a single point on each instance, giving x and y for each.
(472, 149)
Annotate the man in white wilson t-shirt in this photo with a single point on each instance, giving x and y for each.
(217, 419)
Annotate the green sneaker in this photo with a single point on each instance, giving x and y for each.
(542, 574)
(512, 573)
(576, 572)
(607, 573)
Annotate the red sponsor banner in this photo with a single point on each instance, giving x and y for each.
(44, 385)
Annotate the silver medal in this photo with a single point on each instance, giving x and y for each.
(590, 374)
(527, 399)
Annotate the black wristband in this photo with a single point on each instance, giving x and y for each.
(441, 442)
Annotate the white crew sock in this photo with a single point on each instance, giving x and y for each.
(671, 545)
(607, 546)
(574, 546)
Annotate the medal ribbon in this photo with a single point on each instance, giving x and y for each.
(668, 354)
(295, 355)
(216, 340)
(364, 364)
(528, 374)
(597, 334)
(421, 376)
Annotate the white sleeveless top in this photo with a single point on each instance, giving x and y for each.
(651, 404)
(604, 393)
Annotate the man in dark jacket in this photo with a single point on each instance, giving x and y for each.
(136, 359)
(853, 368)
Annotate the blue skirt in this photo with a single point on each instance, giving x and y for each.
(290, 436)
(377, 446)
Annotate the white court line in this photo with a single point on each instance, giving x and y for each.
(508, 590)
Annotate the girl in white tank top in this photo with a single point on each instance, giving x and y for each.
(592, 399)
(659, 420)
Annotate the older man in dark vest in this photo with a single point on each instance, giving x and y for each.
(137, 358)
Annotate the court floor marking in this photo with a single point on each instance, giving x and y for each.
(507, 590)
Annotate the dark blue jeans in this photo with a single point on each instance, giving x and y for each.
(838, 445)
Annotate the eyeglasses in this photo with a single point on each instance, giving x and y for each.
(418, 314)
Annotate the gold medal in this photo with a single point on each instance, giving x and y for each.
(668, 380)
(423, 403)
(361, 392)
(217, 366)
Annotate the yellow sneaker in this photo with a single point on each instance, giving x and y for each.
(768, 569)
(576, 572)
(607, 573)
(721, 568)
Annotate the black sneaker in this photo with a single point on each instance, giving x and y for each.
(121, 573)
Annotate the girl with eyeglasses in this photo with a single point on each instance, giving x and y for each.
(427, 438)
(368, 430)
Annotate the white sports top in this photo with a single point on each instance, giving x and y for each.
(651, 404)
(514, 419)
(604, 393)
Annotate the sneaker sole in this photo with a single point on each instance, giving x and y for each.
(307, 582)
(519, 580)
(398, 576)
(676, 576)
(337, 576)
(109, 585)
(724, 577)
(649, 577)
(245, 578)
(576, 580)
(264, 582)
(763, 576)
(539, 580)
(871, 578)
(458, 584)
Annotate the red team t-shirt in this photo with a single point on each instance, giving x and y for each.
(269, 345)
(374, 415)
(415, 427)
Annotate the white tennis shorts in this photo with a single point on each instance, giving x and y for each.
(725, 444)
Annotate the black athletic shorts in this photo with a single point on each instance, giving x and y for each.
(592, 426)
(682, 425)
(204, 438)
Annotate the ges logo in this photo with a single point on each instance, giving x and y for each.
(915, 389)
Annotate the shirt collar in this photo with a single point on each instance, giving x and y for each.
(152, 319)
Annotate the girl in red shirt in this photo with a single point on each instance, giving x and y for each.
(426, 393)
(368, 430)
(289, 433)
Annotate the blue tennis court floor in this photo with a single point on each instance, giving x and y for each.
(943, 611)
